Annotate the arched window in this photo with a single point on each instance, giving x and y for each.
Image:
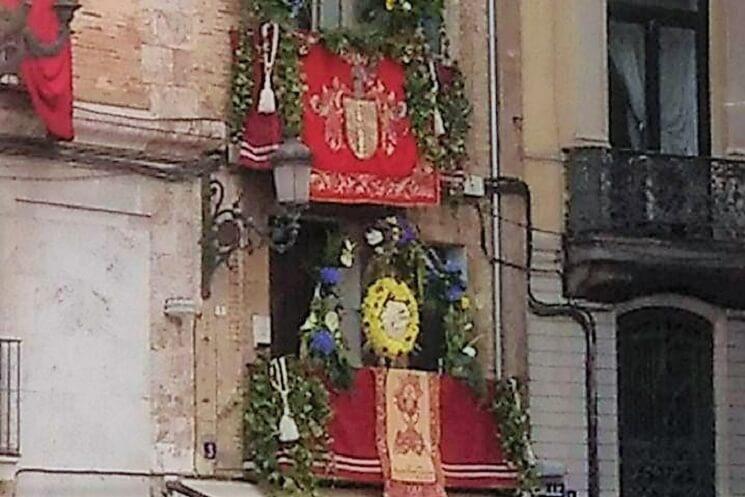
(665, 404)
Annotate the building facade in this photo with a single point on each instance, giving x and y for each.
(127, 344)
(623, 119)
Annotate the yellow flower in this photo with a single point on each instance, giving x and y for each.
(389, 4)
(465, 303)
(390, 318)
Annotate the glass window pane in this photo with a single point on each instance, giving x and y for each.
(667, 4)
(678, 92)
(627, 85)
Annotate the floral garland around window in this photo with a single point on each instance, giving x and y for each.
(398, 252)
(321, 335)
(401, 264)
(435, 89)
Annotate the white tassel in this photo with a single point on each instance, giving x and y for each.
(288, 431)
(267, 98)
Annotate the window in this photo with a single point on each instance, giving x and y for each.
(292, 283)
(10, 396)
(658, 74)
(665, 404)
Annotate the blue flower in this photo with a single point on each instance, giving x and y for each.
(322, 342)
(452, 267)
(408, 233)
(330, 276)
(454, 293)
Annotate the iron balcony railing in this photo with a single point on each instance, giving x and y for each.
(10, 396)
(640, 195)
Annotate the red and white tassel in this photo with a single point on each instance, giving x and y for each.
(267, 98)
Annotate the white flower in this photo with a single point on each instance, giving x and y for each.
(347, 253)
(331, 320)
(407, 6)
(310, 322)
(392, 220)
(374, 237)
(346, 259)
(469, 350)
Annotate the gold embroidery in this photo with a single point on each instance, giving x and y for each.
(368, 118)
(328, 104)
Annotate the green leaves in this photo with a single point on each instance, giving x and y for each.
(514, 424)
(309, 404)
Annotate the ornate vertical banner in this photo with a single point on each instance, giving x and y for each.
(408, 433)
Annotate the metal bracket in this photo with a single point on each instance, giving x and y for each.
(226, 229)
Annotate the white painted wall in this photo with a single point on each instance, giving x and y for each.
(82, 285)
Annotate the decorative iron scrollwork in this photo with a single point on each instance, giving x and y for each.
(17, 41)
(226, 229)
(643, 195)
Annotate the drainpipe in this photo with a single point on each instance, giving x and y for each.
(494, 163)
(581, 315)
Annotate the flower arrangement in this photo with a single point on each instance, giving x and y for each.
(309, 402)
(437, 104)
(398, 252)
(320, 335)
(390, 318)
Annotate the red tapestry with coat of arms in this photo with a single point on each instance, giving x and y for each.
(356, 124)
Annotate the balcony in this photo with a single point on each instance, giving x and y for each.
(648, 223)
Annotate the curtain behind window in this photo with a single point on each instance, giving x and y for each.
(678, 92)
(627, 58)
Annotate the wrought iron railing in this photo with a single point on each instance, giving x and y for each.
(10, 396)
(632, 194)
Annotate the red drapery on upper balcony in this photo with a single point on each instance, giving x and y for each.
(48, 79)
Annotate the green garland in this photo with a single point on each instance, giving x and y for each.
(387, 33)
(309, 403)
(514, 424)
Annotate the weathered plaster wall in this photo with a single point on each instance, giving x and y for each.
(106, 380)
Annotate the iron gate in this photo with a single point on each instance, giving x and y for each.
(665, 404)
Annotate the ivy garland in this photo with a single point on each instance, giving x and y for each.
(514, 423)
(387, 32)
(309, 403)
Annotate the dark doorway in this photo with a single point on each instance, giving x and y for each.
(665, 404)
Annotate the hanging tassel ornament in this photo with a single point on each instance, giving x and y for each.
(438, 123)
(288, 431)
(270, 37)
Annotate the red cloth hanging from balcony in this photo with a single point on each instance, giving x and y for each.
(471, 455)
(48, 79)
(356, 124)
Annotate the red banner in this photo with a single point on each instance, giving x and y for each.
(48, 79)
(355, 121)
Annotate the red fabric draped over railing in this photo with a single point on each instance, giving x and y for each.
(48, 80)
(470, 449)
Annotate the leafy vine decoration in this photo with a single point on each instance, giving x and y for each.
(309, 402)
(389, 29)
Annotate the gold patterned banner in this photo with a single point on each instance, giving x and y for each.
(409, 433)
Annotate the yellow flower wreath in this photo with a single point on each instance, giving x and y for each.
(390, 318)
